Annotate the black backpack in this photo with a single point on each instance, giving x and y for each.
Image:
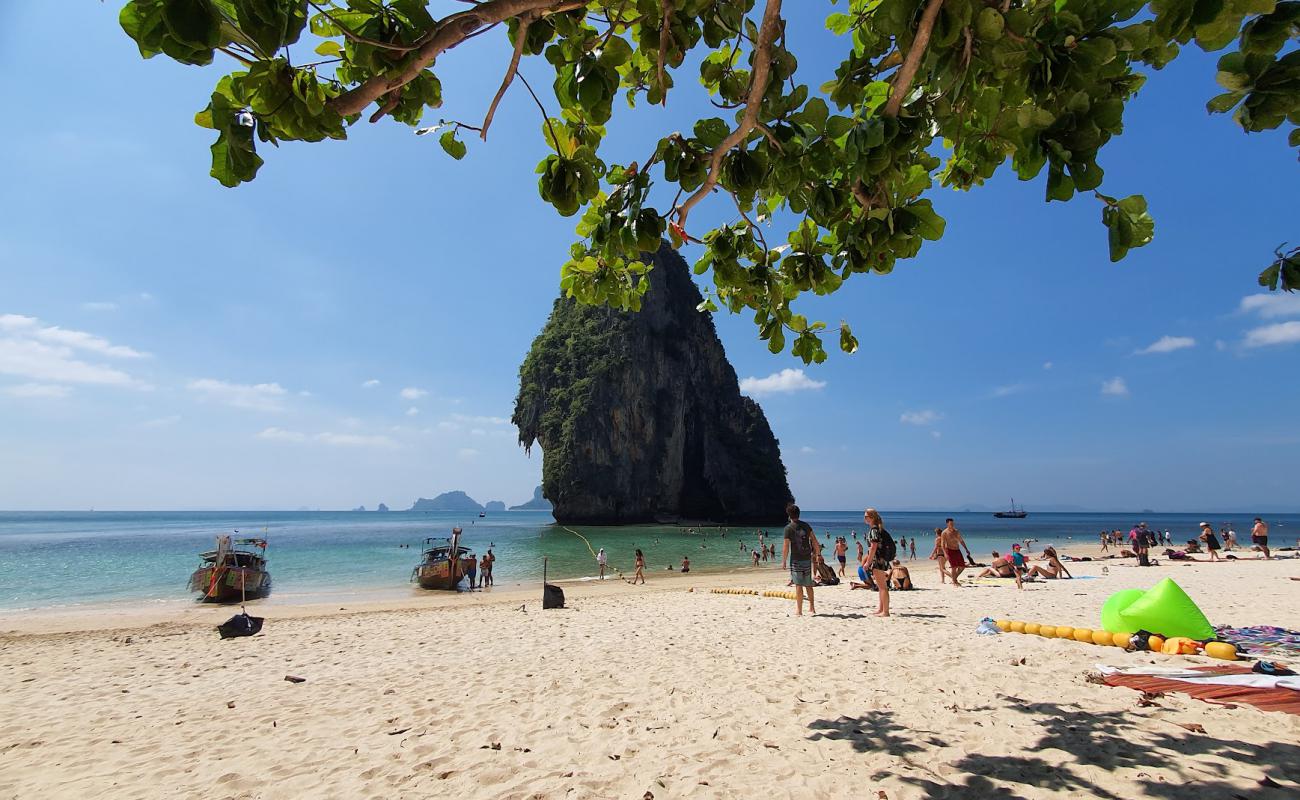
(887, 550)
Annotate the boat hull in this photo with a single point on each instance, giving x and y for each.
(1011, 515)
(231, 585)
(438, 576)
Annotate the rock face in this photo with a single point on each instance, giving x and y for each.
(640, 417)
(382, 508)
(448, 501)
(494, 505)
(538, 503)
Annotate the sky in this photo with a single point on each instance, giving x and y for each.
(347, 329)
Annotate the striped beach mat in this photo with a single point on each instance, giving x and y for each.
(1263, 641)
(1284, 700)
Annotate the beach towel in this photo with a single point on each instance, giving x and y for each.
(1209, 684)
(1263, 641)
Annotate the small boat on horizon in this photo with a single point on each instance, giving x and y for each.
(232, 573)
(1013, 513)
(443, 563)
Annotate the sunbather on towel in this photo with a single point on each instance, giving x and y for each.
(1054, 568)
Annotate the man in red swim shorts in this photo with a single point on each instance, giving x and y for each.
(952, 543)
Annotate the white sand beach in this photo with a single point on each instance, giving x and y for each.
(631, 693)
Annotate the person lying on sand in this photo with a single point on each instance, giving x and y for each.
(898, 576)
(1054, 568)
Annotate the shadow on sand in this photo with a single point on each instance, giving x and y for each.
(1090, 741)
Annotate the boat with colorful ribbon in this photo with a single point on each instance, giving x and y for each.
(232, 573)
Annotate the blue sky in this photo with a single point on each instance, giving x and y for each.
(348, 329)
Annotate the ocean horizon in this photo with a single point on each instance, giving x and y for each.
(73, 558)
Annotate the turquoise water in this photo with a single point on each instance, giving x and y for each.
(55, 559)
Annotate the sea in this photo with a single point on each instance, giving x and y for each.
(62, 560)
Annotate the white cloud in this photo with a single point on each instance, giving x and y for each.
(1271, 306)
(99, 306)
(354, 440)
(327, 438)
(936, 434)
(370, 384)
(39, 391)
(1009, 389)
(281, 435)
(466, 453)
(50, 354)
(447, 425)
(785, 381)
(146, 297)
(161, 422)
(30, 327)
(807, 450)
(1278, 333)
(922, 417)
(412, 411)
(258, 397)
(1220, 345)
(1047, 365)
(304, 393)
(37, 361)
(469, 419)
(1115, 386)
(412, 393)
(1166, 344)
(477, 432)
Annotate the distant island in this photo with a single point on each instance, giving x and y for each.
(382, 508)
(448, 501)
(359, 508)
(494, 505)
(538, 503)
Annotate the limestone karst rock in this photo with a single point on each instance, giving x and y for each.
(640, 417)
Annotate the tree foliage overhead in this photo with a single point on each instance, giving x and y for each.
(930, 92)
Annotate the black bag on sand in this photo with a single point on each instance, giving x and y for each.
(552, 596)
(240, 625)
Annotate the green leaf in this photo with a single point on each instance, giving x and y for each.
(454, 147)
(329, 48)
(848, 342)
(192, 22)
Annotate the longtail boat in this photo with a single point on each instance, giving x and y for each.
(443, 563)
(234, 572)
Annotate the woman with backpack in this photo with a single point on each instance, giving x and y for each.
(881, 550)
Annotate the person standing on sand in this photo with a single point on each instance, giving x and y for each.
(880, 551)
(797, 549)
(953, 543)
(912, 547)
(1105, 541)
(639, 574)
(859, 552)
(937, 555)
(602, 561)
(841, 553)
(1259, 537)
(1211, 541)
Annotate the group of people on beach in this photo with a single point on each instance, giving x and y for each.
(1142, 538)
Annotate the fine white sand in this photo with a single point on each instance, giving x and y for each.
(637, 692)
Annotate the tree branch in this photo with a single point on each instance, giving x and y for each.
(444, 35)
(521, 37)
(665, 33)
(767, 34)
(907, 73)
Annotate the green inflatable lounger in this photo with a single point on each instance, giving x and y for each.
(1164, 609)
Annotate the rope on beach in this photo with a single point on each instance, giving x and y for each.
(617, 571)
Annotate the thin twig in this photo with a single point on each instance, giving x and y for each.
(545, 117)
(521, 36)
(907, 73)
(665, 19)
(359, 39)
(767, 34)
